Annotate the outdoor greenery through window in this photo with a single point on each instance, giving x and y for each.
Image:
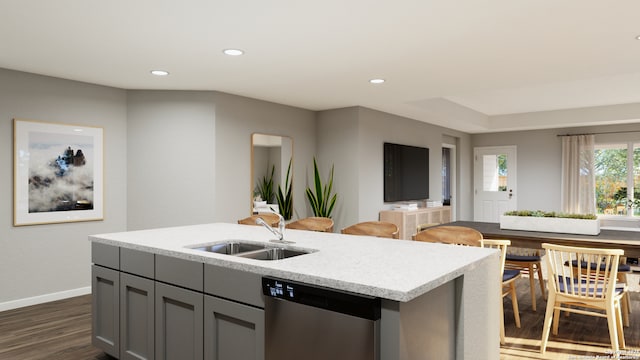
(617, 169)
(494, 168)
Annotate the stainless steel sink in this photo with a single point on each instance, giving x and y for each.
(230, 248)
(272, 254)
(251, 250)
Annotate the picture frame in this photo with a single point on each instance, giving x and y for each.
(58, 173)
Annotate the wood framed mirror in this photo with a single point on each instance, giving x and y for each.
(270, 154)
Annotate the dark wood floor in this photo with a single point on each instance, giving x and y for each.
(59, 330)
(579, 336)
(62, 330)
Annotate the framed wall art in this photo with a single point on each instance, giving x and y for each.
(58, 173)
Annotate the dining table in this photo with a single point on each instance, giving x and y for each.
(629, 241)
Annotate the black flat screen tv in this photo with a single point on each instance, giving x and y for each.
(406, 172)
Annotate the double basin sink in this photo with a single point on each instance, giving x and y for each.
(251, 250)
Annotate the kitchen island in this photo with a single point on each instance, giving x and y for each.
(437, 301)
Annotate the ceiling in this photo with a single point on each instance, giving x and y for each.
(475, 59)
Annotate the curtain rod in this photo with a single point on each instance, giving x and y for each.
(600, 133)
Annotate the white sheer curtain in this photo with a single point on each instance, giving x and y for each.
(578, 175)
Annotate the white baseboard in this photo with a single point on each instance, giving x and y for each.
(40, 299)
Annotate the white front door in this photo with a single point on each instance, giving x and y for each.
(495, 172)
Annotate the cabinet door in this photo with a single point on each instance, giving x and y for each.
(232, 331)
(446, 215)
(411, 222)
(179, 317)
(136, 317)
(105, 289)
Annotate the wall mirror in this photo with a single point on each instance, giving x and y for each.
(270, 154)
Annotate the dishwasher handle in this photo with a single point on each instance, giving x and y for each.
(363, 306)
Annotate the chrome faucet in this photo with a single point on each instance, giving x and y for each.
(279, 233)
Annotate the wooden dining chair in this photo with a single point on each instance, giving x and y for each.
(528, 261)
(457, 235)
(373, 228)
(507, 280)
(460, 235)
(424, 226)
(271, 219)
(584, 281)
(321, 224)
(621, 278)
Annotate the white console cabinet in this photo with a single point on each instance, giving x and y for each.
(408, 220)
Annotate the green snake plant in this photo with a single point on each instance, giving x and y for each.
(285, 201)
(265, 186)
(321, 201)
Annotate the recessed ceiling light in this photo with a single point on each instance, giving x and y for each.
(160, 72)
(233, 52)
(638, 37)
(376, 81)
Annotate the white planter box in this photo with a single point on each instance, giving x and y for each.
(549, 224)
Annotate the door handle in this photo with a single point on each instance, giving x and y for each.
(510, 193)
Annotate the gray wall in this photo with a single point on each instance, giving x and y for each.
(236, 119)
(352, 139)
(42, 260)
(190, 155)
(539, 156)
(170, 158)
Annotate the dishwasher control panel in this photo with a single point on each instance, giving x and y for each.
(279, 289)
(320, 297)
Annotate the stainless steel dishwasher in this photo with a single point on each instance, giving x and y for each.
(315, 323)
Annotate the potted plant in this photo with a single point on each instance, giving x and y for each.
(543, 221)
(320, 198)
(264, 188)
(285, 201)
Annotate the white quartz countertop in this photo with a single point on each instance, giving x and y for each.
(399, 270)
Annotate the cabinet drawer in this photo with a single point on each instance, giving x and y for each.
(185, 273)
(233, 284)
(105, 255)
(137, 262)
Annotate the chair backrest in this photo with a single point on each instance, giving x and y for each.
(373, 228)
(582, 274)
(457, 235)
(322, 224)
(271, 219)
(425, 226)
(500, 245)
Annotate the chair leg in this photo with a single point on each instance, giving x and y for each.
(621, 342)
(502, 333)
(612, 321)
(556, 320)
(532, 287)
(514, 302)
(625, 308)
(546, 328)
(541, 281)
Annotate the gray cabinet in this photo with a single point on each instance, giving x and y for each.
(232, 331)
(105, 285)
(148, 306)
(179, 317)
(137, 315)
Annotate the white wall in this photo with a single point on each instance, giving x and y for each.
(45, 262)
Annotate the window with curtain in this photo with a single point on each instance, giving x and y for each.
(578, 174)
(617, 170)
